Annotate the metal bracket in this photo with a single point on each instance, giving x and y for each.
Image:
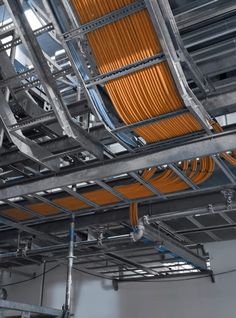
(211, 208)
(100, 237)
(25, 314)
(228, 195)
(115, 284)
(212, 276)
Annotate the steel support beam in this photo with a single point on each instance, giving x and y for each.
(187, 205)
(198, 148)
(42, 236)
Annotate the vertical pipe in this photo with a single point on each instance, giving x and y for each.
(70, 265)
(42, 284)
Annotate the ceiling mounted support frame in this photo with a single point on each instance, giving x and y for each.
(200, 80)
(70, 128)
(200, 147)
(155, 10)
(28, 147)
(82, 72)
(174, 246)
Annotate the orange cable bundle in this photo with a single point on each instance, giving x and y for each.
(133, 214)
(166, 182)
(143, 94)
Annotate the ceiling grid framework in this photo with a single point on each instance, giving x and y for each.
(67, 148)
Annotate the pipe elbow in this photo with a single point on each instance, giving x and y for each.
(138, 233)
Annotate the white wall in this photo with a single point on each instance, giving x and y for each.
(93, 298)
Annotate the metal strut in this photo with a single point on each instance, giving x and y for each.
(67, 306)
(70, 127)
